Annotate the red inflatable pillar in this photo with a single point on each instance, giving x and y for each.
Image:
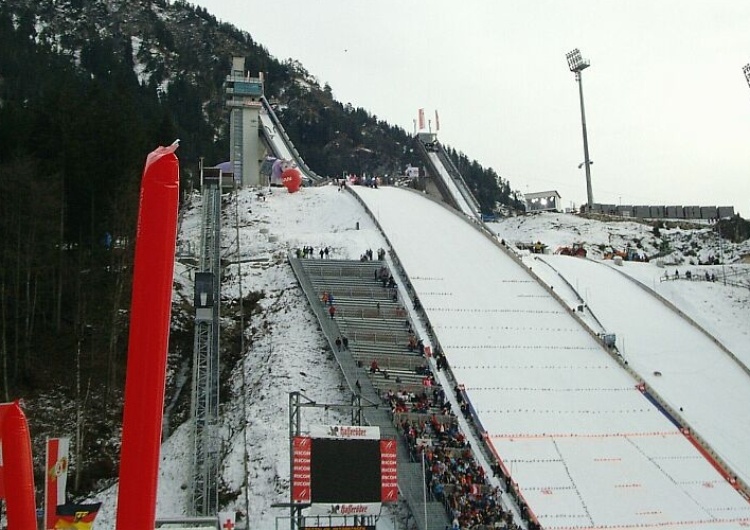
(18, 469)
(148, 341)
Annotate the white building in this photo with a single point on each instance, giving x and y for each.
(542, 201)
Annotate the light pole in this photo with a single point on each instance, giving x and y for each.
(577, 64)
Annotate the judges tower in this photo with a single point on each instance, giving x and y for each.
(244, 103)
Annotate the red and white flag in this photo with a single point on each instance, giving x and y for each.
(55, 478)
(421, 119)
(226, 520)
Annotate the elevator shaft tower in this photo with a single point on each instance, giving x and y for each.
(244, 95)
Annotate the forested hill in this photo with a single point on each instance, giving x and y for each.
(87, 89)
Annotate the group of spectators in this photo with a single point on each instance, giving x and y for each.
(426, 401)
(384, 276)
(708, 276)
(309, 252)
(367, 255)
(452, 474)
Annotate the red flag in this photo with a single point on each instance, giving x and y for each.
(421, 119)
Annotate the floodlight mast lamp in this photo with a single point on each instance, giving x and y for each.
(577, 64)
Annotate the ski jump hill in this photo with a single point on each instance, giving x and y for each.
(586, 441)
(592, 441)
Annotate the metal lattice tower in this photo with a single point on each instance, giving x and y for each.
(205, 394)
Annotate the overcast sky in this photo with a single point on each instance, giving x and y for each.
(667, 104)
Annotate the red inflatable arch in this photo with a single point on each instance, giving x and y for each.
(16, 468)
(149, 336)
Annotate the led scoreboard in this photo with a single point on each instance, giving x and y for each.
(344, 470)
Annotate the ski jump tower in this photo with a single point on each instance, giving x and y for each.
(244, 95)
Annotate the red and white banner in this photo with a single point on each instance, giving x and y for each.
(345, 432)
(437, 121)
(226, 521)
(388, 471)
(421, 119)
(301, 469)
(55, 478)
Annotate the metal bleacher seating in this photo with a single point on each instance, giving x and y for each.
(377, 328)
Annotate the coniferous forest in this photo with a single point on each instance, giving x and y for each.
(87, 89)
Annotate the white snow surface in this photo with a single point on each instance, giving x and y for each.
(587, 449)
(555, 405)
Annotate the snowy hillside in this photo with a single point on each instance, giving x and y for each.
(285, 351)
(676, 245)
(724, 310)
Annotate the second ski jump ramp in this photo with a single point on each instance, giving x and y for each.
(587, 449)
(683, 364)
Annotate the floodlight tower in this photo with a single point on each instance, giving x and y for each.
(577, 64)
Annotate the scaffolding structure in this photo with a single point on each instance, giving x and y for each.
(205, 391)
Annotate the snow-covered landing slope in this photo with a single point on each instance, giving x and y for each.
(685, 366)
(587, 449)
